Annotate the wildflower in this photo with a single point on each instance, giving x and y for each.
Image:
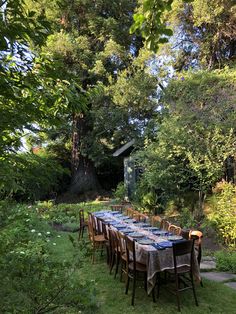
(39, 233)
(48, 232)
(182, 78)
(59, 236)
(27, 220)
(54, 243)
(33, 230)
(30, 206)
(21, 252)
(48, 240)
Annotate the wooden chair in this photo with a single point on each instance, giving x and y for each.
(123, 256)
(130, 212)
(140, 217)
(156, 221)
(97, 240)
(82, 223)
(197, 236)
(117, 207)
(133, 267)
(165, 224)
(180, 272)
(98, 224)
(105, 233)
(114, 249)
(175, 229)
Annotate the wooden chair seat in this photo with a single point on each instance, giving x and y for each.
(99, 238)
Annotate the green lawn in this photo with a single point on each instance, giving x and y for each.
(111, 299)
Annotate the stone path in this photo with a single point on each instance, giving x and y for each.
(208, 267)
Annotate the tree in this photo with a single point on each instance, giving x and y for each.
(195, 138)
(203, 30)
(151, 22)
(93, 48)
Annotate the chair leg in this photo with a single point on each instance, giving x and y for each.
(108, 255)
(127, 284)
(158, 284)
(112, 262)
(80, 233)
(194, 292)
(121, 269)
(133, 290)
(177, 291)
(145, 282)
(93, 257)
(117, 264)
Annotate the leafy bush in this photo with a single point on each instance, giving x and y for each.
(27, 176)
(120, 191)
(67, 213)
(222, 212)
(226, 261)
(33, 279)
(186, 219)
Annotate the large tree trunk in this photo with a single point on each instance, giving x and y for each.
(84, 176)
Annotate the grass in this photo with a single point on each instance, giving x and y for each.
(111, 299)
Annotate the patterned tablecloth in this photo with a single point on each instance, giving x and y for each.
(156, 260)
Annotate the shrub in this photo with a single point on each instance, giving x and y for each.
(120, 191)
(26, 176)
(222, 212)
(33, 279)
(186, 219)
(226, 261)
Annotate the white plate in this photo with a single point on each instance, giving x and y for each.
(146, 241)
(136, 235)
(174, 238)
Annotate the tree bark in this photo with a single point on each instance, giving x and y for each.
(75, 145)
(84, 177)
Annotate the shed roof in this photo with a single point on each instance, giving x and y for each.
(124, 150)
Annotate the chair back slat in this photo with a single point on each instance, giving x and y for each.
(130, 251)
(182, 248)
(175, 229)
(156, 221)
(165, 224)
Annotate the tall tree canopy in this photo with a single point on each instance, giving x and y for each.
(110, 71)
(204, 30)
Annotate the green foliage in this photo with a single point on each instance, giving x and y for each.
(103, 60)
(120, 192)
(192, 141)
(204, 33)
(27, 176)
(186, 219)
(147, 198)
(150, 22)
(226, 261)
(222, 212)
(33, 279)
(67, 213)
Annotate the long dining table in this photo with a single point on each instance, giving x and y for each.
(153, 246)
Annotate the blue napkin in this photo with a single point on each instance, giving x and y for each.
(157, 246)
(127, 232)
(165, 244)
(120, 228)
(161, 233)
